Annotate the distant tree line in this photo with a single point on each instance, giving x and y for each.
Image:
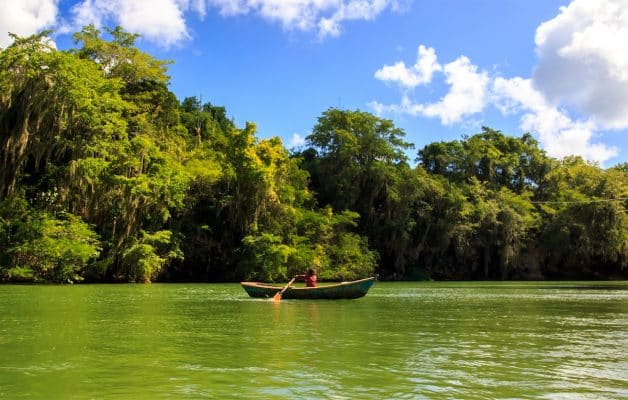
(105, 176)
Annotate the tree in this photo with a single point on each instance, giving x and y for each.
(490, 156)
(52, 107)
(106, 176)
(42, 247)
(357, 162)
(585, 229)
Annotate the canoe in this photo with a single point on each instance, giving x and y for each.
(343, 290)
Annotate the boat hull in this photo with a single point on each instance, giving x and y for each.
(344, 290)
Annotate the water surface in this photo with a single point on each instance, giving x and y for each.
(403, 340)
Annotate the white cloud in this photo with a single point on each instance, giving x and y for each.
(25, 17)
(583, 60)
(231, 7)
(582, 66)
(352, 10)
(409, 77)
(297, 140)
(199, 6)
(160, 21)
(559, 134)
(164, 21)
(324, 16)
(467, 93)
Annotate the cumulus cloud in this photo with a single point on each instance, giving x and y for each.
(25, 17)
(467, 93)
(352, 10)
(409, 77)
(324, 16)
(583, 60)
(582, 67)
(160, 21)
(471, 91)
(297, 140)
(164, 21)
(557, 131)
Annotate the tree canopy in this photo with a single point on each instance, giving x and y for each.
(105, 176)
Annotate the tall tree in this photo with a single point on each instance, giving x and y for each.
(357, 162)
(53, 106)
(585, 229)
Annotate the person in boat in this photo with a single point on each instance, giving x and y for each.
(309, 278)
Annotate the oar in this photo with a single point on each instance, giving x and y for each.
(277, 296)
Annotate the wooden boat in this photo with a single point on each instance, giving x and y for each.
(343, 290)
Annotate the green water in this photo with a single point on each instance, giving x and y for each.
(409, 340)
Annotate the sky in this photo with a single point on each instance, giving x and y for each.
(439, 69)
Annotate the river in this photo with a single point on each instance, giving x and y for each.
(480, 340)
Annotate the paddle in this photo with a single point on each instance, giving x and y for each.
(277, 296)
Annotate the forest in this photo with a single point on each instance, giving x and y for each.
(106, 176)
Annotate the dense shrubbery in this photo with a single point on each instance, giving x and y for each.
(106, 176)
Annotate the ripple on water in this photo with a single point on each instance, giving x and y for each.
(407, 340)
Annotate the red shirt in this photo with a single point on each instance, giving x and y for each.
(310, 281)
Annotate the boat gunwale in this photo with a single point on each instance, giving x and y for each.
(291, 288)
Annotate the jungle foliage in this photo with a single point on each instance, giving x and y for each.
(106, 176)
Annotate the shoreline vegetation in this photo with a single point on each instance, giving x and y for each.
(105, 176)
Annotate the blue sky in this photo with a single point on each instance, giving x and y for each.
(438, 68)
